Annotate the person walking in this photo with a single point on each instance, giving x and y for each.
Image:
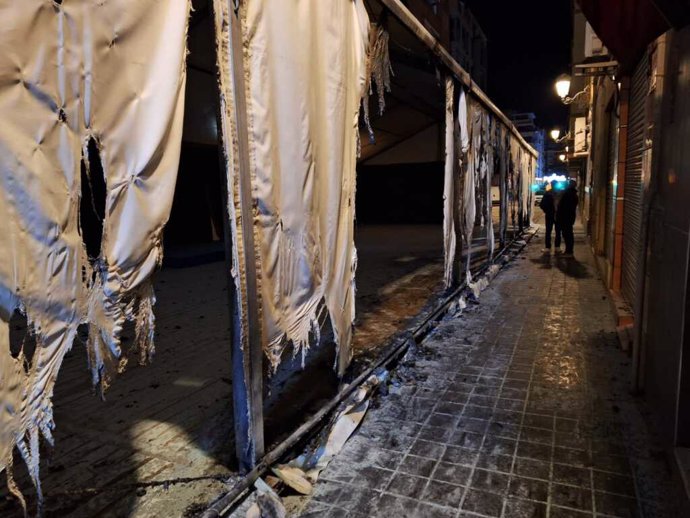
(548, 205)
(566, 213)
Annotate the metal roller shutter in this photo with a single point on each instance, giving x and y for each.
(610, 187)
(634, 182)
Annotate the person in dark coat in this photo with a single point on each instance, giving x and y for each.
(548, 205)
(566, 215)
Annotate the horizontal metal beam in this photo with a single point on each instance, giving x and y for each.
(410, 21)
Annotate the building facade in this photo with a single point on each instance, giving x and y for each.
(627, 129)
(452, 23)
(534, 135)
(434, 15)
(468, 43)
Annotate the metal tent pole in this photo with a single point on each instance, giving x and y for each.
(247, 350)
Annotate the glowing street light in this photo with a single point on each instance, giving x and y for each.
(563, 89)
(563, 86)
(561, 157)
(555, 133)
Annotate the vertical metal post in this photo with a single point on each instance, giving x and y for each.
(458, 204)
(503, 147)
(247, 351)
(624, 100)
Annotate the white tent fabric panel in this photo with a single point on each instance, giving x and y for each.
(113, 72)
(476, 145)
(304, 82)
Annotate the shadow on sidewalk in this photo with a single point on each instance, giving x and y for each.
(544, 261)
(572, 267)
(568, 265)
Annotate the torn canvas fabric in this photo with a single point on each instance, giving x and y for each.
(455, 171)
(449, 237)
(471, 178)
(514, 178)
(489, 146)
(305, 73)
(503, 164)
(479, 148)
(463, 162)
(109, 71)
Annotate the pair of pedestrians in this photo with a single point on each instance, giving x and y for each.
(561, 214)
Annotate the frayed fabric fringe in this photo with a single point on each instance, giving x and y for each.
(45, 273)
(379, 72)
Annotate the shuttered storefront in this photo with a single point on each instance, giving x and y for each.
(610, 186)
(634, 182)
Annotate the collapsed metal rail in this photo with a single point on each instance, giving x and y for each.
(393, 353)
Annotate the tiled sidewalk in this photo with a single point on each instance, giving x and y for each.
(517, 408)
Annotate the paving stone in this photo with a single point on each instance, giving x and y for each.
(573, 475)
(407, 485)
(481, 502)
(458, 455)
(372, 477)
(417, 466)
(616, 505)
(611, 483)
(513, 415)
(489, 481)
(427, 449)
(530, 488)
(443, 494)
(358, 499)
(452, 473)
(431, 511)
(518, 508)
(562, 512)
(570, 496)
(490, 461)
(392, 505)
(534, 451)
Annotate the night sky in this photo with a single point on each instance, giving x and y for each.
(529, 46)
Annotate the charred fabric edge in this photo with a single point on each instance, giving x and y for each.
(475, 151)
(241, 252)
(378, 73)
(302, 125)
(223, 504)
(449, 232)
(44, 268)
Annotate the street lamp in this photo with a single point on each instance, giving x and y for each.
(563, 86)
(563, 89)
(561, 157)
(556, 135)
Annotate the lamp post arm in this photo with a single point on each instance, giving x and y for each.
(570, 100)
(564, 137)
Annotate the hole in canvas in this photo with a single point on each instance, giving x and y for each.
(93, 197)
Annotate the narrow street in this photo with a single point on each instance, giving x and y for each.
(272, 259)
(517, 407)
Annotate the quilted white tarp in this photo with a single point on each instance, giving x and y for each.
(305, 70)
(73, 71)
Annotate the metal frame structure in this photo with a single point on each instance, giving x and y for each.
(247, 364)
(247, 352)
